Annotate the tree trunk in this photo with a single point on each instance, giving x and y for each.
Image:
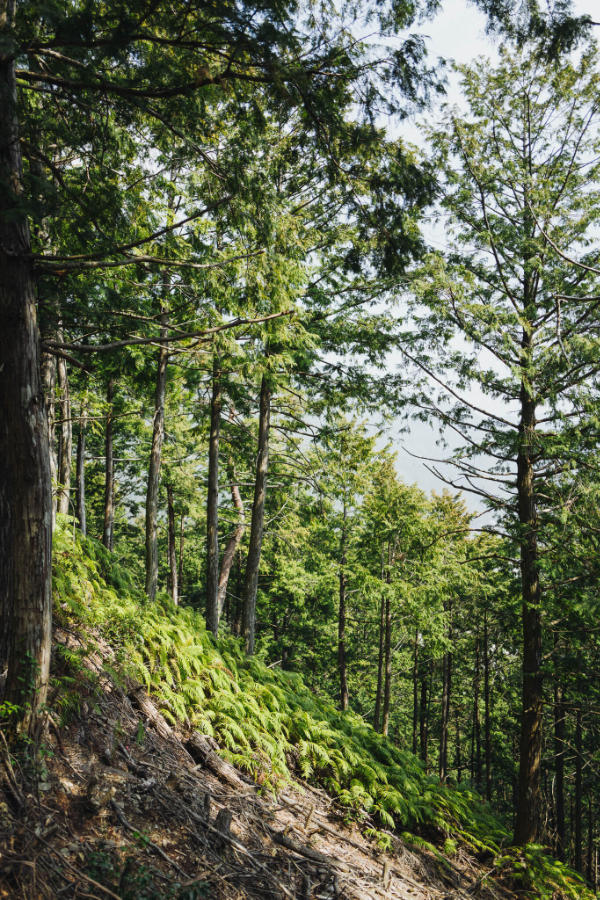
(487, 713)
(158, 435)
(80, 472)
(181, 548)
(445, 716)
(458, 753)
(387, 684)
(25, 487)
(212, 506)
(476, 742)
(65, 436)
(109, 481)
(48, 375)
(559, 765)
(233, 542)
(423, 722)
(380, 657)
(173, 584)
(258, 517)
(342, 617)
(415, 722)
(578, 846)
(529, 801)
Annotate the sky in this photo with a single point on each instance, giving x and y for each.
(457, 33)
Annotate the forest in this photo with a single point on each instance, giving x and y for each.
(230, 285)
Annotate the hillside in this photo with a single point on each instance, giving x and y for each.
(175, 767)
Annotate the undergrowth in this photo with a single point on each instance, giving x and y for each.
(271, 726)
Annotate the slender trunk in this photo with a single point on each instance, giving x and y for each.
(387, 684)
(181, 548)
(173, 585)
(458, 753)
(25, 486)
(48, 375)
(423, 721)
(486, 692)
(380, 657)
(415, 722)
(65, 438)
(578, 848)
(559, 764)
(258, 517)
(212, 506)
(476, 762)
(589, 868)
(109, 481)
(158, 435)
(529, 802)
(233, 542)
(445, 717)
(342, 617)
(80, 472)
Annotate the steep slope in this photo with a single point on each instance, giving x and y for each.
(175, 767)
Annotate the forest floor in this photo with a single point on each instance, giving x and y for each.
(124, 806)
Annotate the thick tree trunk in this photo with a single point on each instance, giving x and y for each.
(109, 463)
(529, 802)
(233, 542)
(415, 721)
(80, 472)
(212, 506)
(487, 711)
(342, 617)
(158, 436)
(173, 584)
(258, 517)
(65, 436)
(25, 487)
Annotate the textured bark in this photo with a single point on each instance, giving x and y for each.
(109, 477)
(342, 618)
(212, 506)
(25, 486)
(154, 464)
(233, 542)
(458, 745)
(173, 584)
(80, 473)
(65, 436)
(181, 549)
(529, 799)
(559, 765)
(578, 843)
(258, 518)
(445, 711)
(48, 375)
(476, 727)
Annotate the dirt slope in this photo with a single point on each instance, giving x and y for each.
(124, 807)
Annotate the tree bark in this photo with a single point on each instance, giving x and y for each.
(181, 548)
(65, 436)
(445, 716)
(476, 741)
(233, 542)
(109, 480)
(342, 616)
(25, 486)
(258, 518)
(158, 435)
(559, 765)
(173, 584)
(212, 506)
(423, 721)
(48, 376)
(487, 710)
(387, 683)
(529, 798)
(80, 472)
(380, 659)
(415, 722)
(578, 843)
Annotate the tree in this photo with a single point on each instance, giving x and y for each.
(522, 322)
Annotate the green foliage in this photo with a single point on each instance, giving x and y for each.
(541, 876)
(266, 721)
